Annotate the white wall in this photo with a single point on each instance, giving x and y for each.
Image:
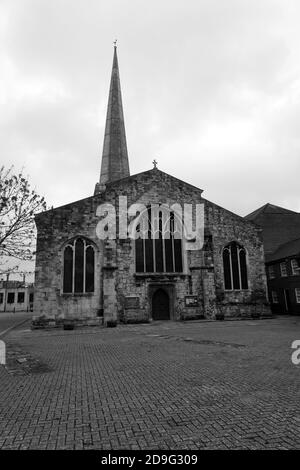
(15, 306)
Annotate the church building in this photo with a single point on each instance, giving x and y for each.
(125, 253)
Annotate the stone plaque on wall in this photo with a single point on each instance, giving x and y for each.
(191, 301)
(132, 302)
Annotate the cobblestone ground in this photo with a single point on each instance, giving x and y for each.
(198, 385)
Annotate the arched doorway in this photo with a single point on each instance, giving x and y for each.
(160, 305)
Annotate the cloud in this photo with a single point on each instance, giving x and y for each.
(210, 89)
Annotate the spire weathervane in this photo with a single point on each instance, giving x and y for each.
(115, 43)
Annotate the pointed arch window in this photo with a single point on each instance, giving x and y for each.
(161, 250)
(78, 267)
(235, 267)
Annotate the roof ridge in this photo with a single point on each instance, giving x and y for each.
(263, 209)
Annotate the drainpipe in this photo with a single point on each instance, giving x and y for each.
(4, 298)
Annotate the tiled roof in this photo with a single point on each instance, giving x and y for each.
(268, 209)
(279, 225)
(285, 250)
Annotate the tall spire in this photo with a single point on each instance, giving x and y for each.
(115, 163)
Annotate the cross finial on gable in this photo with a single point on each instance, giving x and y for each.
(154, 163)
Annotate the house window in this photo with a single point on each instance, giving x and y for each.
(160, 250)
(235, 267)
(79, 267)
(271, 272)
(21, 297)
(295, 267)
(1, 297)
(274, 297)
(283, 270)
(297, 295)
(11, 297)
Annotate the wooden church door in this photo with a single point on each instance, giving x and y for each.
(160, 305)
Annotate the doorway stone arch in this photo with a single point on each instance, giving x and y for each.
(161, 300)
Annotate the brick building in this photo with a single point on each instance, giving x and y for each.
(283, 271)
(79, 274)
(281, 237)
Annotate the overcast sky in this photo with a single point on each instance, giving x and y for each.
(211, 89)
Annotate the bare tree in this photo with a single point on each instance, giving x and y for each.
(18, 204)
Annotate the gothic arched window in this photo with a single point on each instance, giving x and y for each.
(235, 267)
(79, 267)
(161, 250)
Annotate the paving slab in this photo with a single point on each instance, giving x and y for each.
(165, 385)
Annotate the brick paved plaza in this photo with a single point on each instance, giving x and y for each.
(198, 385)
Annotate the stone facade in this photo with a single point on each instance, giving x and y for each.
(123, 295)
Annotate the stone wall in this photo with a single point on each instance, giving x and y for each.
(116, 280)
(54, 229)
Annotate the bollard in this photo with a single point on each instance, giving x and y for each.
(2, 353)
